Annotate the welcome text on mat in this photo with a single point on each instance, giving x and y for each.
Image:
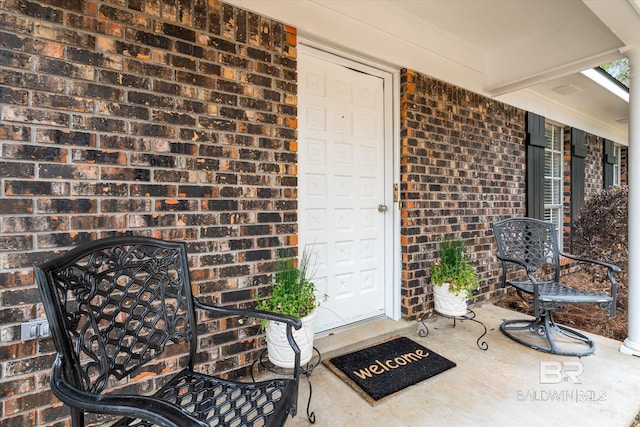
(380, 368)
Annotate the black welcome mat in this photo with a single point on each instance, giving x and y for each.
(380, 371)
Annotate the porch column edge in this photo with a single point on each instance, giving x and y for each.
(631, 345)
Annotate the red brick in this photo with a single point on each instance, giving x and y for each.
(12, 132)
(19, 420)
(181, 123)
(435, 168)
(47, 31)
(34, 116)
(36, 188)
(29, 401)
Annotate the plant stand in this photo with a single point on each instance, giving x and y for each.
(305, 370)
(470, 315)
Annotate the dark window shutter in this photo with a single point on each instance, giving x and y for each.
(578, 161)
(609, 159)
(536, 143)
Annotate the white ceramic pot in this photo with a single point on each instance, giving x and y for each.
(278, 348)
(448, 303)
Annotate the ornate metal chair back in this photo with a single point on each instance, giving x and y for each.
(530, 241)
(114, 305)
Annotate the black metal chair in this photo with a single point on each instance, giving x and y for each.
(528, 249)
(115, 305)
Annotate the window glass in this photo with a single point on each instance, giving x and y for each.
(553, 176)
(616, 167)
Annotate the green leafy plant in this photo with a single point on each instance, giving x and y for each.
(292, 291)
(620, 70)
(455, 268)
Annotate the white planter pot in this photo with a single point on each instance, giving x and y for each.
(448, 303)
(278, 348)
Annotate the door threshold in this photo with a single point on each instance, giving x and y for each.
(359, 335)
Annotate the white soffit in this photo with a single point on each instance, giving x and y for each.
(577, 101)
(523, 42)
(379, 30)
(621, 16)
(488, 46)
(599, 77)
(508, 49)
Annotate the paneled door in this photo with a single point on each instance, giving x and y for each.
(341, 186)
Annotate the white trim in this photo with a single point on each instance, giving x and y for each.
(529, 100)
(553, 73)
(323, 49)
(391, 79)
(632, 342)
(606, 83)
(390, 35)
(396, 313)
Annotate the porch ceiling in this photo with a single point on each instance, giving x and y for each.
(539, 47)
(521, 41)
(519, 51)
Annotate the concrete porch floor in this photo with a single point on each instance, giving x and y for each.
(498, 387)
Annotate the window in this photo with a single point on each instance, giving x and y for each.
(553, 176)
(617, 149)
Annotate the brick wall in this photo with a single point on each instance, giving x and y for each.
(462, 168)
(593, 178)
(169, 119)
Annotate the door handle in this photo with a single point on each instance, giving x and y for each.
(382, 208)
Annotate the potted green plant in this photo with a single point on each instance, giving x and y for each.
(292, 293)
(454, 279)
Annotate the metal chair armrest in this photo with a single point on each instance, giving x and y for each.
(246, 312)
(503, 258)
(290, 321)
(147, 408)
(612, 267)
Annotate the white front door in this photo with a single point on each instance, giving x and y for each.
(341, 186)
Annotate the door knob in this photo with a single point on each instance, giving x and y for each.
(382, 208)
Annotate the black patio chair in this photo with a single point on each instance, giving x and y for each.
(531, 262)
(117, 304)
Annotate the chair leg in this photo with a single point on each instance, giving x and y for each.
(77, 418)
(545, 326)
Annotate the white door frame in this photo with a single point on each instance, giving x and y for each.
(391, 78)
